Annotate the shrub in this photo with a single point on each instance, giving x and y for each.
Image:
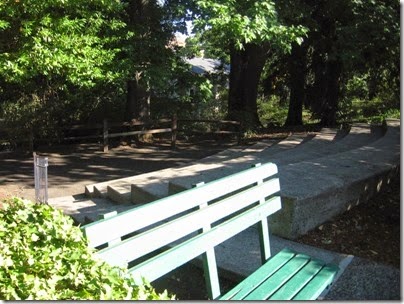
(43, 256)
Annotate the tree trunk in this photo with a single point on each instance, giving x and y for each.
(297, 68)
(130, 112)
(315, 94)
(245, 72)
(137, 101)
(138, 94)
(330, 104)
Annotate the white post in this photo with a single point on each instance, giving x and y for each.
(41, 178)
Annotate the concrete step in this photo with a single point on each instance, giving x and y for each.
(144, 191)
(325, 143)
(324, 186)
(289, 143)
(186, 181)
(314, 191)
(321, 145)
(147, 187)
(360, 134)
(101, 189)
(84, 210)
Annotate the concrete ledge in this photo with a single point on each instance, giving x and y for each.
(325, 144)
(317, 190)
(84, 210)
(321, 176)
(293, 147)
(119, 190)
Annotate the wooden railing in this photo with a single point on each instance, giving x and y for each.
(108, 129)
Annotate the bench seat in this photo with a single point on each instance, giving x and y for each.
(286, 276)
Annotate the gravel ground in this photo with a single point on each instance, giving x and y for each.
(71, 167)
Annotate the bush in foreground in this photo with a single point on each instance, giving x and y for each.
(43, 256)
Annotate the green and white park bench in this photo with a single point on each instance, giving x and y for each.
(158, 237)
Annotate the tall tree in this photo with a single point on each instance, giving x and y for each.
(343, 41)
(297, 71)
(148, 54)
(248, 30)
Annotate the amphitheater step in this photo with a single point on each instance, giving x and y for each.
(147, 187)
(349, 169)
(314, 191)
(120, 191)
(359, 135)
(101, 189)
(144, 191)
(84, 210)
(326, 136)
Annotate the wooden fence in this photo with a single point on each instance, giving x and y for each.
(107, 130)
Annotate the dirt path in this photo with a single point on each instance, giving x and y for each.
(74, 166)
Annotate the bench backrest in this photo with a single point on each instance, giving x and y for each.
(176, 229)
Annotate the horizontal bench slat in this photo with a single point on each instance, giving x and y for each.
(294, 285)
(273, 283)
(167, 233)
(241, 290)
(186, 251)
(315, 287)
(101, 232)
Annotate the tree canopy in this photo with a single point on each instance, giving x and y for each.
(69, 40)
(248, 31)
(75, 60)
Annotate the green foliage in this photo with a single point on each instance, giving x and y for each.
(375, 110)
(273, 112)
(43, 256)
(359, 104)
(58, 40)
(360, 39)
(57, 62)
(190, 95)
(241, 22)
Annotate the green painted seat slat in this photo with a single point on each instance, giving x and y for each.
(261, 274)
(273, 283)
(320, 282)
(295, 284)
(100, 232)
(171, 231)
(186, 251)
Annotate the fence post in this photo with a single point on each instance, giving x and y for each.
(41, 178)
(105, 135)
(174, 131)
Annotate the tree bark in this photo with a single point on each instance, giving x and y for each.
(330, 104)
(138, 94)
(245, 73)
(137, 101)
(297, 67)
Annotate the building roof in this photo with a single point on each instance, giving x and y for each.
(205, 65)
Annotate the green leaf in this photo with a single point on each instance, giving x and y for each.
(57, 268)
